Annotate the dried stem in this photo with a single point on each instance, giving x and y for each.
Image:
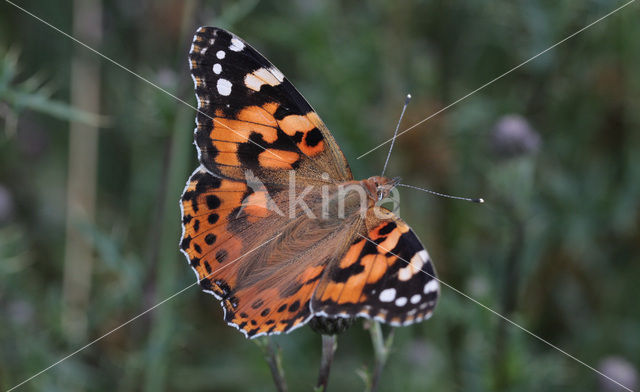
(82, 166)
(274, 360)
(329, 346)
(381, 348)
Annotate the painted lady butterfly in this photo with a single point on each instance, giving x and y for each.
(260, 145)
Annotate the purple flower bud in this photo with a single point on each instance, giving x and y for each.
(620, 370)
(512, 136)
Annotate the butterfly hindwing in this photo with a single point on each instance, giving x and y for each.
(263, 265)
(275, 305)
(385, 274)
(250, 116)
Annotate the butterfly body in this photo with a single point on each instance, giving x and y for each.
(274, 225)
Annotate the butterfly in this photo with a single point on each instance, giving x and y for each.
(274, 224)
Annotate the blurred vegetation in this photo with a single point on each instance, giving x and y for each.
(553, 147)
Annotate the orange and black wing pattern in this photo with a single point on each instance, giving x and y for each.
(212, 223)
(245, 254)
(385, 274)
(250, 116)
(273, 306)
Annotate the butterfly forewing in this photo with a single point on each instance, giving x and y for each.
(251, 117)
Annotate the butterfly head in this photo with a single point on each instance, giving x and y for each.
(379, 188)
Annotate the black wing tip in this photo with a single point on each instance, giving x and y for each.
(212, 32)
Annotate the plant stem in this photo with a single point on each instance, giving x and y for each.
(82, 180)
(329, 346)
(381, 348)
(274, 360)
(509, 295)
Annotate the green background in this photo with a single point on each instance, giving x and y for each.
(556, 247)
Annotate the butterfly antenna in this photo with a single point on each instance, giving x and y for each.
(395, 134)
(478, 200)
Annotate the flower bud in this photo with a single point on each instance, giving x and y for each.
(512, 136)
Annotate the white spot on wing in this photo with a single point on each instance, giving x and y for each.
(236, 45)
(414, 266)
(431, 286)
(415, 298)
(259, 77)
(405, 273)
(224, 88)
(402, 301)
(387, 295)
(276, 72)
(267, 76)
(217, 68)
(252, 82)
(220, 54)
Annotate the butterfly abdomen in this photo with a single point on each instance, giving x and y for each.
(331, 326)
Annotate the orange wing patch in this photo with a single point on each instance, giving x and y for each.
(238, 131)
(311, 141)
(278, 159)
(261, 115)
